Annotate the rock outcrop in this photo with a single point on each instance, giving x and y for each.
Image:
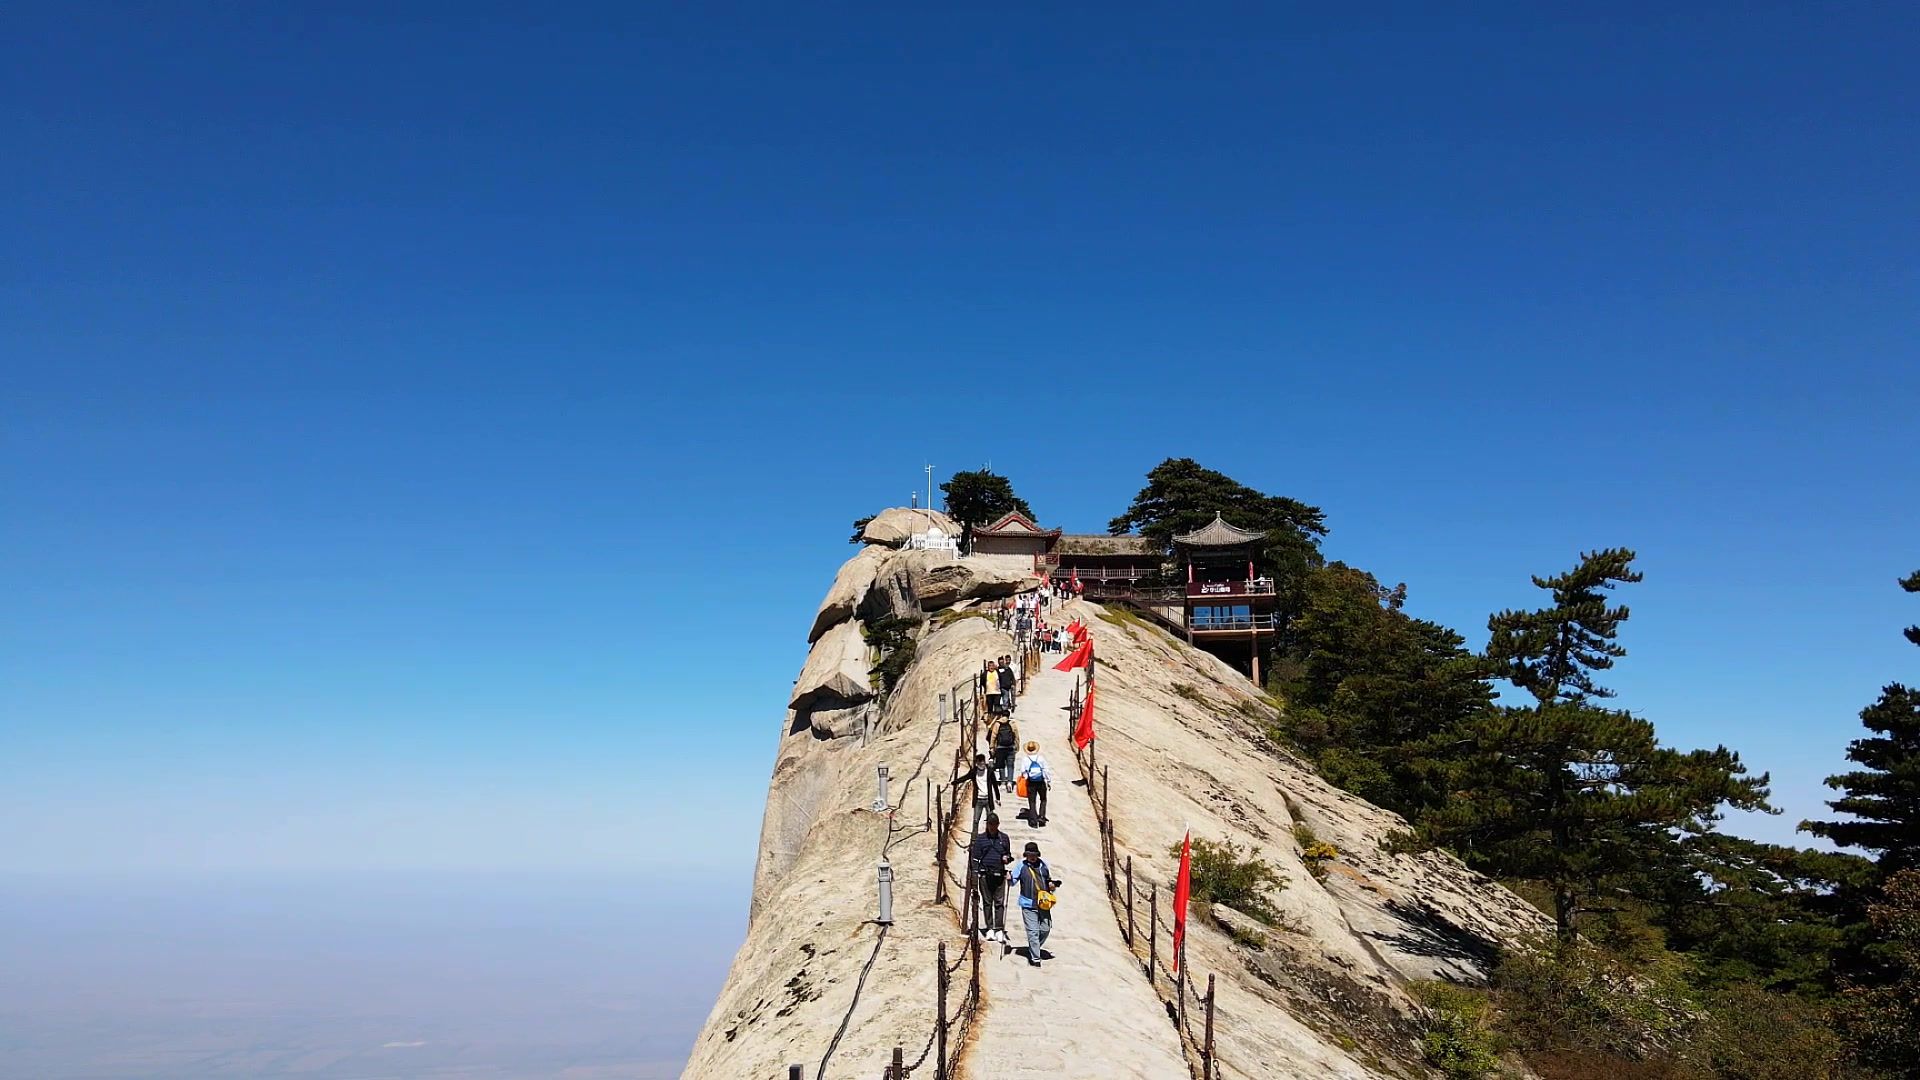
(850, 587)
(835, 674)
(1319, 990)
(897, 525)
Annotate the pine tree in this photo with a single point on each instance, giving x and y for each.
(1577, 796)
(1182, 495)
(979, 498)
(1883, 796)
(1552, 653)
(1880, 1015)
(1366, 683)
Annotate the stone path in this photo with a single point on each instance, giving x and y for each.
(1080, 1014)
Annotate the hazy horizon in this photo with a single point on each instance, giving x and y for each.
(359, 977)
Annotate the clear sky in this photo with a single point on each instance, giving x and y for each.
(427, 434)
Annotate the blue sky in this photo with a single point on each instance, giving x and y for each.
(426, 436)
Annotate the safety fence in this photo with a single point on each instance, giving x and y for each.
(968, 706)
(1168, 984)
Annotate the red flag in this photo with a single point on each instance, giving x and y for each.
(1083, 734)
(1074, 579)
(1182, 889)
(1076, 659)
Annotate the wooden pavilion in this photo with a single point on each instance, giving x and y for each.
(1230, 608)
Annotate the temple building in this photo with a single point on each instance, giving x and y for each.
(1230, 608)
(1096, 559)
(1014, 534)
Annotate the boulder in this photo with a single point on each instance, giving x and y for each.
(891, 595)
(938, 581)
(1239, 926)
(850, 587)
(895, 526)
(839, 723)
(835, 674)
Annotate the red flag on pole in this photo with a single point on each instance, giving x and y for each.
(1083, 734)
(1077, 658)
(1074, 578)
(1182, 889)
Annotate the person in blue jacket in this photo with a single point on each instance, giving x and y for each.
(1031, 877)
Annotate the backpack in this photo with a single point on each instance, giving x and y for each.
(1035, 770)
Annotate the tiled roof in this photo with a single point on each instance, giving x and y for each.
(1217, 533)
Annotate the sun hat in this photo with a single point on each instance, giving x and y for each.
(1031, 849)
(1032, 746)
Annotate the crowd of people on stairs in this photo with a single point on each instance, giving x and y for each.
(1002, 771)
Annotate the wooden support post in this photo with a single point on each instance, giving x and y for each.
(1129, 901)
(1180, 980)
(1153, 932)
(970, 918)
(795, 1072)
(940, 855)
(899, 1064)
(973, 980)
(1207, 1070)
(940, 1017)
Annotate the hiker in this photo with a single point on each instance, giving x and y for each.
(1033, 877)
(989, 856)
(984, 796)
(1006, 684)
(1039, 775)
(1005, 741)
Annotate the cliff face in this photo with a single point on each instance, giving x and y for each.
(1182, 737)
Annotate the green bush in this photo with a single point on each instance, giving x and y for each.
(894, 638)
(1460, 1039)
(1224, 873)
(1314, 852)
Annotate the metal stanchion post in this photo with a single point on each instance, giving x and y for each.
(940, 1017)
(1207, 1069)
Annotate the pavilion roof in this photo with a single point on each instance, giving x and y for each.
(1014, 523)
(1218, 533)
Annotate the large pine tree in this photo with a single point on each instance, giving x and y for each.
(1579, 797)
(1883, 795)
(1182, 495)
(980, 497)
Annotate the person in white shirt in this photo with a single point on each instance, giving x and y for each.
(1039, 776)
(984, 795)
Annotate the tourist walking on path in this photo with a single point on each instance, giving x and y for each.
(1006, 684)
(1005, 741)
(1039, 777)
(989, 856)
(985, 792)
(1034, 878)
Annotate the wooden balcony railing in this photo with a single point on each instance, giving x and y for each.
(1256, 587)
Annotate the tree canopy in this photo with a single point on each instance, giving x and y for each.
(978, 498)
(1882, 797)
(1366, 683)
(1565, 792)
(1182, 495)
